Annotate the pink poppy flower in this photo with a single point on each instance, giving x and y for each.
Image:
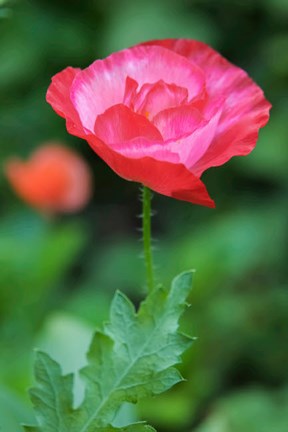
(54, 179)
(163, 112)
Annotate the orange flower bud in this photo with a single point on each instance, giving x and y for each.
(54, 180)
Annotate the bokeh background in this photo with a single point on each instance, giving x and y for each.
(57, 275)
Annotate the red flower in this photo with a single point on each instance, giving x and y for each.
(163, 112)
(55, 179)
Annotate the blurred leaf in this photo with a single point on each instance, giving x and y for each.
(252, 411)
(140, 21)
(12, 412)
(270, 158)
(58, 337)
(34, 256)
(89, 304)
(5, 12)
(277, 6)
(173, 408)
(273, 53)
(51, 250)
(228, 246)
(119, 264)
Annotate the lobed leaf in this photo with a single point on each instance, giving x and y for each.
(138, 427)
(133, 357)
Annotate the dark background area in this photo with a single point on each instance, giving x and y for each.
(57, 276)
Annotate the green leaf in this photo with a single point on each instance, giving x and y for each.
(140, 427)
(133, 357)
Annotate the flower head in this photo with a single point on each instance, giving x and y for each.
(54, 179)
(163, 112)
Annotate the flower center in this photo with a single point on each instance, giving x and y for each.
(151, 99)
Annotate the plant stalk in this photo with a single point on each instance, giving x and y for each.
(147, 243)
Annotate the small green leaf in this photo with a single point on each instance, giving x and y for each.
(133, 357)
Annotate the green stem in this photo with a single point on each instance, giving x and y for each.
(147, 238)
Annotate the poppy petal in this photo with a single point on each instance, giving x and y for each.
(102, 84)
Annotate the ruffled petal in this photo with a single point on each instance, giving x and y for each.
(140, 147)
(58, 96)
(245, 109)
(119, 124)
(190, 134)
(173, 123)
(170, 179)
(102, 84)
(130, 92)
(132, 135)
(239, 139)
(153, 98)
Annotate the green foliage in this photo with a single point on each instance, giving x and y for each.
(52, 249)
(239, 250)
(4, 11)
(252, 410)
(132, 428)
(133, 357)
(35, 256)
(164, 16)
(12, 412)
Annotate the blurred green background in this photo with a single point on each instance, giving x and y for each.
(57, 276)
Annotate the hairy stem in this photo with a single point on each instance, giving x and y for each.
(147, 238)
